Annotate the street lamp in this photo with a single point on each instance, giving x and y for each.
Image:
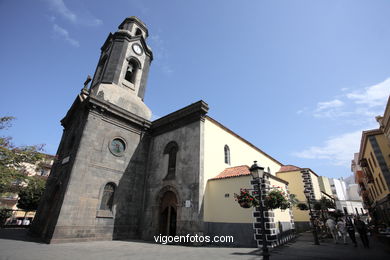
(316, 241)
(257, 173)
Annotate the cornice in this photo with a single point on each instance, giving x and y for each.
(102, 106)
(179, 118)
(363, 141)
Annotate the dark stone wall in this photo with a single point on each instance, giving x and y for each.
(46, 217)
(185, 184)
(94, 166)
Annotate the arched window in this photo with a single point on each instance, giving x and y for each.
(171, 149)
(108, 197)
(138, 32)
(100, 68)
(131, 71)
(268, 170)
(227, 154)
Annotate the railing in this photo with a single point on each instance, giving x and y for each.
(285, 236)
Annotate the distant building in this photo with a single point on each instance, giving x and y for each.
(10, 200)
(346, 197)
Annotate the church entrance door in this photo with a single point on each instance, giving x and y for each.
(168, 214)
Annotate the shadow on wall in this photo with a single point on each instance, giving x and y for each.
(302, 226)
(129, 195)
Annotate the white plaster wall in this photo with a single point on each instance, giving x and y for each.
(353, 192)
(316, 186)
(351, 206)
(339, 188)
(241, 153)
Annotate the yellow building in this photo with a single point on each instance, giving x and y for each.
(374, 158)
(225, 216)
(325, 186)
(300, 179)
(226, 157)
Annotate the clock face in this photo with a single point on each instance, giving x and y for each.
(137, 48)
(117, 146)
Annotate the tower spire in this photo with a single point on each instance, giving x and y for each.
(122, 71)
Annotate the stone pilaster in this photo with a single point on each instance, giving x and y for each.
(269, 221)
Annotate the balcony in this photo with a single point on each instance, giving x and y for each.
(366, 170)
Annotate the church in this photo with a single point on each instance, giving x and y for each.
(119, 175)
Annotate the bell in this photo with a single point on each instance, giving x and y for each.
(130, 68)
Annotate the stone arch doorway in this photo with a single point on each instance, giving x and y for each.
(168, 214)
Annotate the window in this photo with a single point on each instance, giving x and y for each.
(171, 149)
(375, 190)
(370, 165)
(372, 194)
(361, 209)
(379, 186)
(383, 184)
(268, 170)
(345, 210)
(373, 159)
(131, 70)
(227, 154)
(99, 70)
(138, 32)
(108, 197)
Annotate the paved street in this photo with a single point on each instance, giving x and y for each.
(15, 245)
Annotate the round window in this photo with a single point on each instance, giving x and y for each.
(117, 146)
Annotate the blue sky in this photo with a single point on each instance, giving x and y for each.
(299, 79)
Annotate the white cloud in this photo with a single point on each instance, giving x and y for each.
(330, 109)
(65, 35)
(360, 105)
(60, 8)
(358, 110)
(161, 57)
(338, 150)
(372, 96)
(329, 104)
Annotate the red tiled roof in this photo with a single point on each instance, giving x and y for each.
(289, 168)
(233, 172)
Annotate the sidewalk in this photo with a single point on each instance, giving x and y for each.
(15, 245)
(304, 248)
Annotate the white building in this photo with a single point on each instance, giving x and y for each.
(347, 196)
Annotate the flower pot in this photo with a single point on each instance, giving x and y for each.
(245, 204)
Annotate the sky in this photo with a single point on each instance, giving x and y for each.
(299, 79)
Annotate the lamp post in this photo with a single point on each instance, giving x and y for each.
(314, 229)
(257, 173)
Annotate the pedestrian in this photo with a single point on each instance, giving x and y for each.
(351, 230)
(361, 228)
(342, 230)
(331, 224)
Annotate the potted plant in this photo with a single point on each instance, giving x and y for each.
(277, 198)
(245, 199)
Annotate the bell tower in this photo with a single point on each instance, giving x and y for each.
(96, 185)
(123, 67)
